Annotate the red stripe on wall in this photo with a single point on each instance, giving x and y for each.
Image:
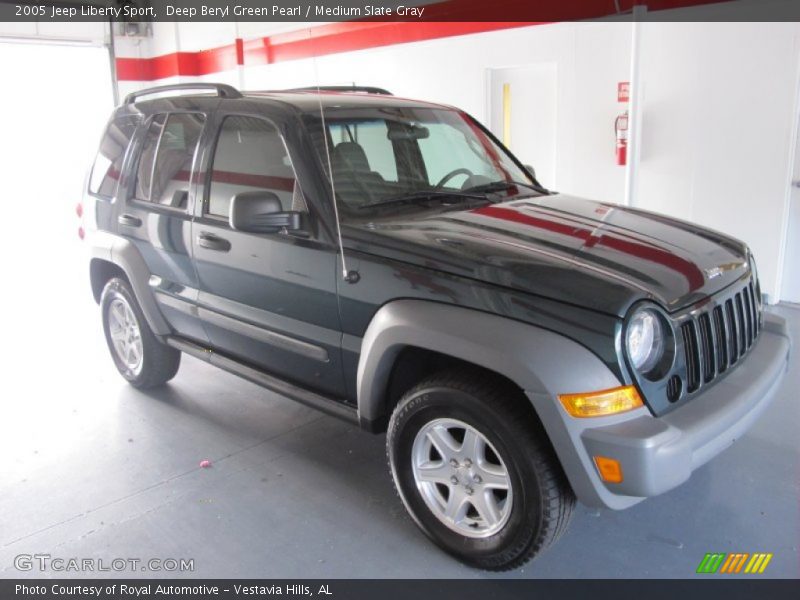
(443, 19)
(271, 182)
(317, 41)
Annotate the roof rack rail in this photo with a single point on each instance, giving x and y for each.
(222, 89)
(342, 88)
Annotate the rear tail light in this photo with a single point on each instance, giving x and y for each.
(81, 232)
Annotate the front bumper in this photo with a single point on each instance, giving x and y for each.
(658, 454)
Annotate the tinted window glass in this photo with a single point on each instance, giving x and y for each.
(250, 156)
(108, 164)
(372, 136)
(379, 154)
(446, 149)
(144, 171)
(173, 143)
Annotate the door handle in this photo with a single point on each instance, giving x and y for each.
(129, 221)
(213, 242)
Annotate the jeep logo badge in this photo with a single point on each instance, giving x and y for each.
(713, 272)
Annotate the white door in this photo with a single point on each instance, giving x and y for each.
(790, 288)
(54, 102)
(523, 115)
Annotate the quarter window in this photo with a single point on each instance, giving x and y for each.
(250, 156)
(165, 165)
(107, 167)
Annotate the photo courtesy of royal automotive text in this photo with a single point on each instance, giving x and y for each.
(393, 299)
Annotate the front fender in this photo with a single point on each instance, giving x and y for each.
(543, 363)
(537, 360)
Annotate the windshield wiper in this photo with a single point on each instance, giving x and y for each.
(501, 185)
(424, 196)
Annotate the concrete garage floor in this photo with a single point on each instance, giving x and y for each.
(92, 468)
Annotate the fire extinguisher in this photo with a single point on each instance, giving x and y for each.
(621, 130)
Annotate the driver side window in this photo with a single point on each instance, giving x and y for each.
(250, 156)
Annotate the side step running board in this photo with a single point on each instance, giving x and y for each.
(325, 404)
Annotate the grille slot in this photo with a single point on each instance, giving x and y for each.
(741, 325)
(732, 335)
(748, 315)
(754, 309)
(692, 356)
(715, 340)
(674, 388)
(721, 337)
(707, 347)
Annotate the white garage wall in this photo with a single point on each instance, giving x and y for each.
(718, 110)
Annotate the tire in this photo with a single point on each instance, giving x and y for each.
(149, 363)
(521, 521)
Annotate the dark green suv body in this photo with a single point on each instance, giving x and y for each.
(389, 262)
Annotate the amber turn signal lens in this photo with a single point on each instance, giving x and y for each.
(610, 470)
(605, 402)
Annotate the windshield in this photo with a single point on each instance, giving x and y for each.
(381, 154)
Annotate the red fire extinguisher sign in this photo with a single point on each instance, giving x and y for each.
(621, 130)
(621, 124)
(623, 91)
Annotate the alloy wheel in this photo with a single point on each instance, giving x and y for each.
(462, 478)
(125, 334)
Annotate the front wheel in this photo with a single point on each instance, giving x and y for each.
(138, 355)
(476, 472)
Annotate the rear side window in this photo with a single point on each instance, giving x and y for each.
(107, 166)
(250, 156)
(165, 165)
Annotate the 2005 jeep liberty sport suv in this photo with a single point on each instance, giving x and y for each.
(389, 262)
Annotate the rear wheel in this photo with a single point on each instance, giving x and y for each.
(138, 355)
(476, 471)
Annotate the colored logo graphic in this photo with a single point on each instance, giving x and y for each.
(734, 563)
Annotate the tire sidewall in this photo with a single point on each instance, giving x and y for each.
(525, 520)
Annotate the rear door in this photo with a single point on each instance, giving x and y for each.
(157, 212)
(267, 299)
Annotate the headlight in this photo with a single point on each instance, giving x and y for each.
(645, 340)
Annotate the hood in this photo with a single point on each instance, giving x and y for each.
(592, 254)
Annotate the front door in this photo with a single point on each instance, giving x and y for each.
(268, 300)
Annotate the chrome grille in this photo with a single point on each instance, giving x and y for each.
(715, 339)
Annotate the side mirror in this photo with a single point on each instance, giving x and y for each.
(530, 170)
(261, 212)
